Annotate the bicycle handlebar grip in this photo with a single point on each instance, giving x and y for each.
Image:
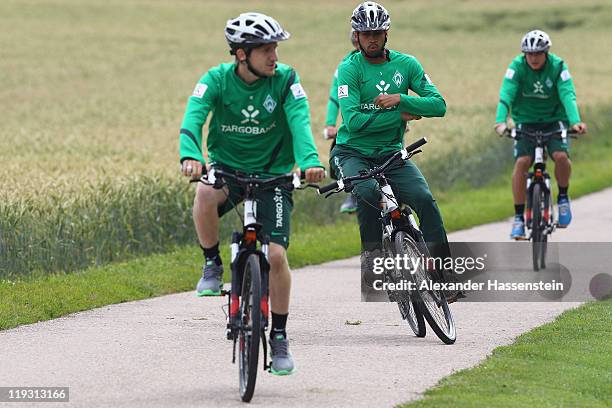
(416, 144)
(328, 188)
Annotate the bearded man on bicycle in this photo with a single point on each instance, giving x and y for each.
(538, 92)
(260, 126)
(373, 89)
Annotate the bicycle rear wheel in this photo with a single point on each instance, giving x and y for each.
(432, 303)
(537, 223)
(250, 327)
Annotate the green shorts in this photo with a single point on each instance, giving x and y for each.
(526, 147)
(273, 210)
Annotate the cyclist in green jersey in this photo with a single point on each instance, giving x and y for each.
(538, 92)
(330, 131)
(373, 87)
(260, 125)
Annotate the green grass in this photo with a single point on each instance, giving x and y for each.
(565, 363)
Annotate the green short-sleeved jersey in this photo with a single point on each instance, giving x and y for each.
(545, 95)
(262, 127)
(368, 128)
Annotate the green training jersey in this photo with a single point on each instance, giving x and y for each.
(332, 104)
(262, 127)
(545, 95)
(368, 128)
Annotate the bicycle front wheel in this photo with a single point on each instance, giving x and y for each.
(432, 303)
(538, 225)
(250, 328)
(409, 309)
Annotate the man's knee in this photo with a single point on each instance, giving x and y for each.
(560, 158)
(368, 192)
(522, 164)
(277, 257)
(206, 196)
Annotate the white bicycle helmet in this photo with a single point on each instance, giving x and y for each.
(252, 29)
(536, 41)
(370, 16)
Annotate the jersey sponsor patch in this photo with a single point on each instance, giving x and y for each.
(200, 90)
(565, 75)
(428, 79)
(342, 91)
(509, 73)
(298, 91)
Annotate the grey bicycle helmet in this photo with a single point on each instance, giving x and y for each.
(370, 16)
(536, 41)
(249, 30)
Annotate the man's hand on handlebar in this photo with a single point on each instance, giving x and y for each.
(314, 174)
(500, 128)
(330, 132)
(192, 169)
(580, 128)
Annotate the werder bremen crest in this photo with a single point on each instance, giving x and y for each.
(269, 104)
(398, 79)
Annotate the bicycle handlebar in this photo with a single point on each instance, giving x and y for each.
(516, 134)
(404, 154)
(215, 178)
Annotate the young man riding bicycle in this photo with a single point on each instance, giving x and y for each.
(260, 126)
(538, 92)
(373, 95)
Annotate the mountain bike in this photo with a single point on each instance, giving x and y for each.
(248, 297)
(539, 215)
(402, 236)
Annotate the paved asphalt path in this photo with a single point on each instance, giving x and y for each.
(171, 352)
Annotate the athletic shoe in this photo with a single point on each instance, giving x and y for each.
(565, 212)
(349, 205)
(282, 361)
(211, 281)
(518, 228)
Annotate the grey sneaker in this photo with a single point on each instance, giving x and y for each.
(367, 267)
(282, 362)
(211, 281)
(349, 205)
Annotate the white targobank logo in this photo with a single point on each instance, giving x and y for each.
(278, 203)
(509, 73)
(398, 78)
(269, 104)
(538, 87)
(343, 91)
(250, 113)
(200, 90)
(382, 87)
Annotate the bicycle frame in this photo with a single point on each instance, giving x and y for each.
(540, 176)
